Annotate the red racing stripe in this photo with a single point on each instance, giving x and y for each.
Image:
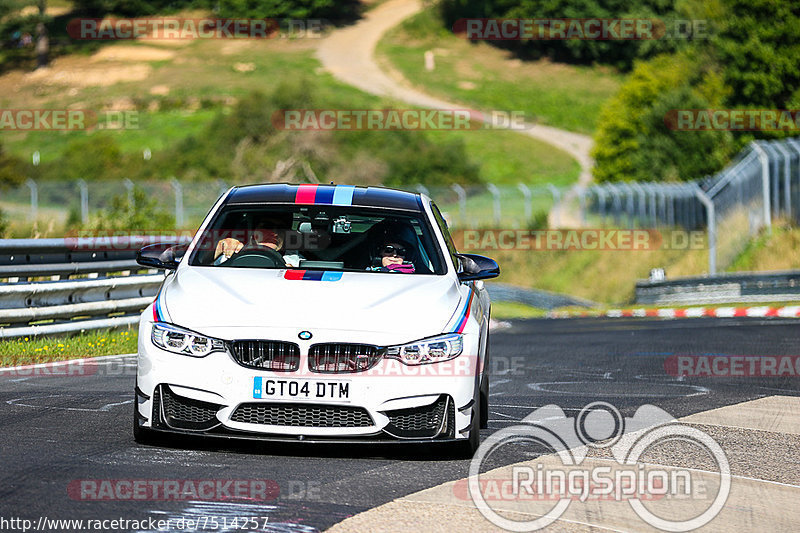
(294, 274)
(306, 194)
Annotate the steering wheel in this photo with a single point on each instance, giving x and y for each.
(257, 255)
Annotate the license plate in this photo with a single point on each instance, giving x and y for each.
(301, 389)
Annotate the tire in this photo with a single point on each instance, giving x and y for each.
(485, 401)
(468, 447)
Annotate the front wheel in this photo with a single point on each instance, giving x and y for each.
(468, 447)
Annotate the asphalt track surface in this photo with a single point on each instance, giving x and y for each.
(56, 430)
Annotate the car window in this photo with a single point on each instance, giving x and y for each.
(319, 237)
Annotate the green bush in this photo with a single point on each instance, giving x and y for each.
(619, 53)
(3, 224)
(143, 214)
(634, 143)
(12, 169)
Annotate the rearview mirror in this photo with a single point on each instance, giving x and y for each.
(163, 256)
(475, 267)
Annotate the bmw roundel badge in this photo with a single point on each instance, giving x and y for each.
(304, 335)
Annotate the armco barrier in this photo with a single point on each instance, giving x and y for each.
(37, 296)
(727, 288)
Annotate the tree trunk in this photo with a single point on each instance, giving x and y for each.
(42, 41)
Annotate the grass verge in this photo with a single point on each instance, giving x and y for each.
(29, 350)
(510, 310)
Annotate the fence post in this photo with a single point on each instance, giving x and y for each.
(600, 193)
(582, 204)
(496, 203)
(795, 144)
(712, 228)
(462, 201)
(526, 194)
(34, 198)
(787, 182)
(223, 187)
(764, 158)
(178, 188)
(84, 189)
(616, 202)
(131, 199)
(556, 203)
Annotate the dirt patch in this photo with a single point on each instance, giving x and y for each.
(132, 53)
(59, 74)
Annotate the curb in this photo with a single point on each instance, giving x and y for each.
(792, 311)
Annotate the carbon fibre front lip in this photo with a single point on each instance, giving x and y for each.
(227, 434)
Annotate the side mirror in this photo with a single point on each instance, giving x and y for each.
(475, 267)
(163, 256)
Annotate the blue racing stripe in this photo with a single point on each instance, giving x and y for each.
(343, 194)
(325, 195)
(313, 275)
(331, 276)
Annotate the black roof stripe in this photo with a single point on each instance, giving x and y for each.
(362, 196)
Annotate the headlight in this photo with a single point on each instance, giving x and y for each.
(185, 342)
(433, 350)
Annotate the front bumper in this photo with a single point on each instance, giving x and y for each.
(214, 396)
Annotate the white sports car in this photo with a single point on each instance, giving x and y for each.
(317, 313)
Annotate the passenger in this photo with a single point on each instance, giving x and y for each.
(394, 248)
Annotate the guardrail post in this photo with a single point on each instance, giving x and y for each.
(764, 158)
(131, 199)
(712, 228)
(462, 201)
(556, 203)
(526, 195)
(178, 188)
(422, 189)
(34, 198)
(84, 190)
(496, 203)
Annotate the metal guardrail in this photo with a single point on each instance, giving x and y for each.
(501, 292)
(37, 296)
(723, 288)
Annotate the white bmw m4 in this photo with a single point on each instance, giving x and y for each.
(323, 313)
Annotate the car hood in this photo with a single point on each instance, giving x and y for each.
(207, 297)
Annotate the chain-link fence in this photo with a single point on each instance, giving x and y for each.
(760, 184)
(509, 206)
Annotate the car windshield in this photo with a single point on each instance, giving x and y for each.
(319, 238)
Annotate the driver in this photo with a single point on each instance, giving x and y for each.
(268, 231)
